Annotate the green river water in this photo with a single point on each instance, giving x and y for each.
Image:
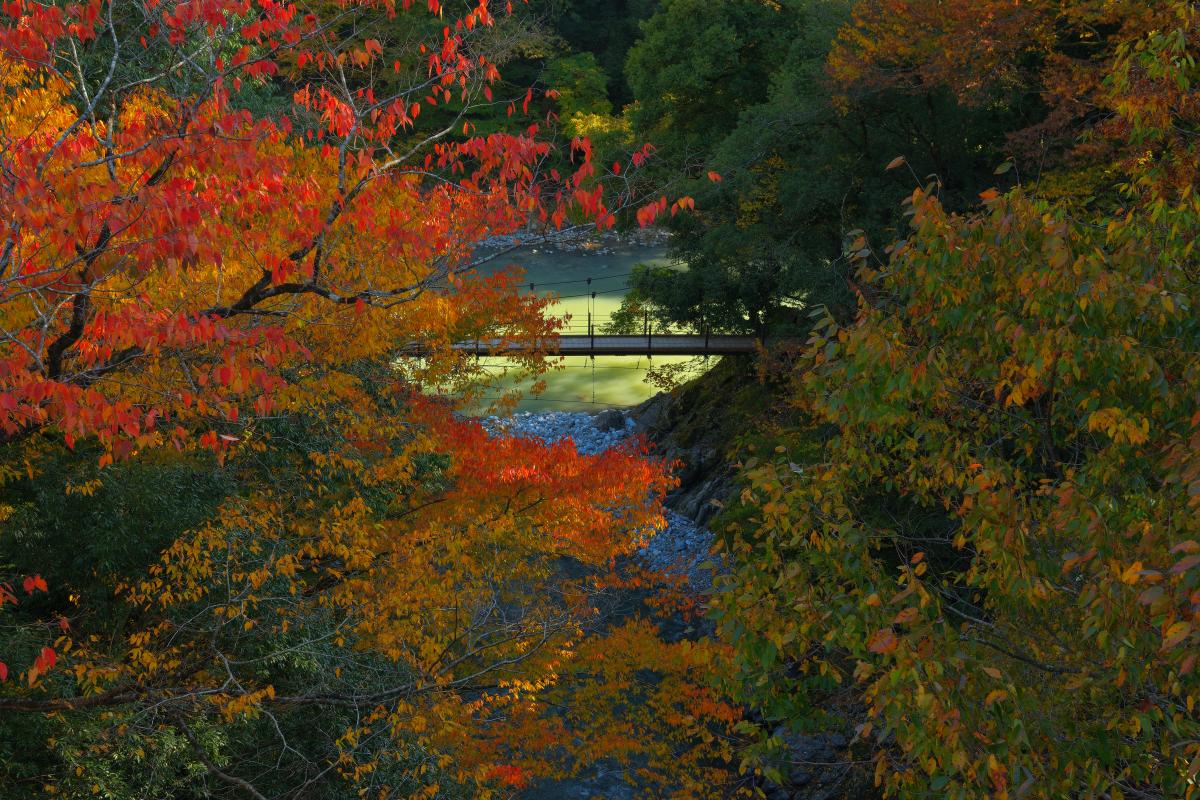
(581, 383)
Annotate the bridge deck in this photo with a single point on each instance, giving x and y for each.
(664, 344)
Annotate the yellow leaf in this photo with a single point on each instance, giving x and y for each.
(1176, 634)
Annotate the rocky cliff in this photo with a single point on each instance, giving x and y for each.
(697, 425)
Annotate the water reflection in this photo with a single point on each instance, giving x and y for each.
(585, 384)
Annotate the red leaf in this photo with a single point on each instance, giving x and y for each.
(509, 775)
(45, 660)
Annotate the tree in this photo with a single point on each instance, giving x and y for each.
(262, 305)
(798, 172)
(146, 231)
(1059, 53)
(604, 29)
(989, 528)
(580, 85)
(696, 65)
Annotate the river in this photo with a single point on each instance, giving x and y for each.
(588, 385)
(582, 383)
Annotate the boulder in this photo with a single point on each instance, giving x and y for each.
(609, 420)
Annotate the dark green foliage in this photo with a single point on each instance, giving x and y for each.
(696, 67)
(101, 532)
(801, 179)
(606, 29)
(109, 535)
(581, 84)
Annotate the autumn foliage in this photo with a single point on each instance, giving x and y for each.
(197, 281)
(252, 548)
(990, 530)
(993, 50)
(171, 263)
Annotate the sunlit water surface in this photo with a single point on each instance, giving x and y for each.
(582, 383)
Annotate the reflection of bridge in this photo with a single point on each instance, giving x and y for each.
(650, 344)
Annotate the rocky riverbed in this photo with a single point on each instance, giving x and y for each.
(583, 239)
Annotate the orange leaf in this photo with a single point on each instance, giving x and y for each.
(1131, 573)
(883, 641)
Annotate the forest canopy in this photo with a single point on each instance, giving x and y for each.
(256, 540)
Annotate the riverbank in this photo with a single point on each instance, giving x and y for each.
(586, 240)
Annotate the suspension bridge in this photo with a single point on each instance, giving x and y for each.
(593, 344)
(600, 336)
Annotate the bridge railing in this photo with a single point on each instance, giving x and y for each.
(592, 324)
